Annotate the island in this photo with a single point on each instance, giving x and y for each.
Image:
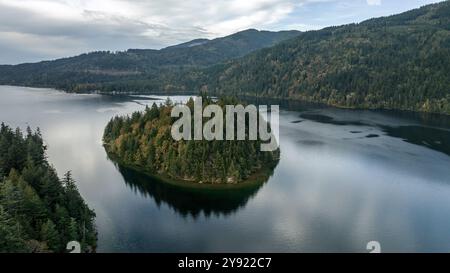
(143, 141)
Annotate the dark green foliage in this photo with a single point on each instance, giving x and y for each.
(38, 212)
(144, 140)
(10, 234)
(50, 235)
(397, 62)
(138, 69)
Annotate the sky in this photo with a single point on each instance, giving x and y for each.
(34, 30)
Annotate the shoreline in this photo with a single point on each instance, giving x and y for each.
(256, 179)
(275, 98)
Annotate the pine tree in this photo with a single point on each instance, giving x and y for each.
(33, 199)
(10, 239)
(62, 221)
(50, 235)
(155, 151)
(11, 196)
(233, 172)
(73, 230)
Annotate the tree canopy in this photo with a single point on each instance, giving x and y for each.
(144, 140)
(38, 211)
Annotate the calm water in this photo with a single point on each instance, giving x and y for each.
(345, 178)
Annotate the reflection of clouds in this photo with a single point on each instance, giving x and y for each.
(108, 109)
(334, 201)
(318, 200)
(71, 138)
(332, 197)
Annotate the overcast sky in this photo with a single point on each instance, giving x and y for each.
(33, 30)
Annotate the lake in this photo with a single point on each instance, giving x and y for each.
(345, 177)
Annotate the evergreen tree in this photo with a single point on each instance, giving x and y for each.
(51, 236)
(73, 230)
(36, 208)
(10, 235)
(206, 161)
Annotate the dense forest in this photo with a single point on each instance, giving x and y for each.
(138, 67)
(397, 62)
(38, 211)
(144, 140)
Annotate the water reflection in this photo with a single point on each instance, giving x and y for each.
(435, 138)
(190, 202)
(329, 120)
(334, 189)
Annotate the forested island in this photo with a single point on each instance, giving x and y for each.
(396, 62)
(39, 212)
(143, 141)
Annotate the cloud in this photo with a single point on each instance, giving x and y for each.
(32, 30)
(118, 25)
(374, 2)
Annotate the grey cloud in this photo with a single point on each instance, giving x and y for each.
(29, 36)
(59, 28)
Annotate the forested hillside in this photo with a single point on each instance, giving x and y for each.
(89, 71)
(144, 140)
(399, 62)
(38, 211)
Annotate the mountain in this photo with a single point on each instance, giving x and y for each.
(396, 62)
(82, 71)
(192, 43)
